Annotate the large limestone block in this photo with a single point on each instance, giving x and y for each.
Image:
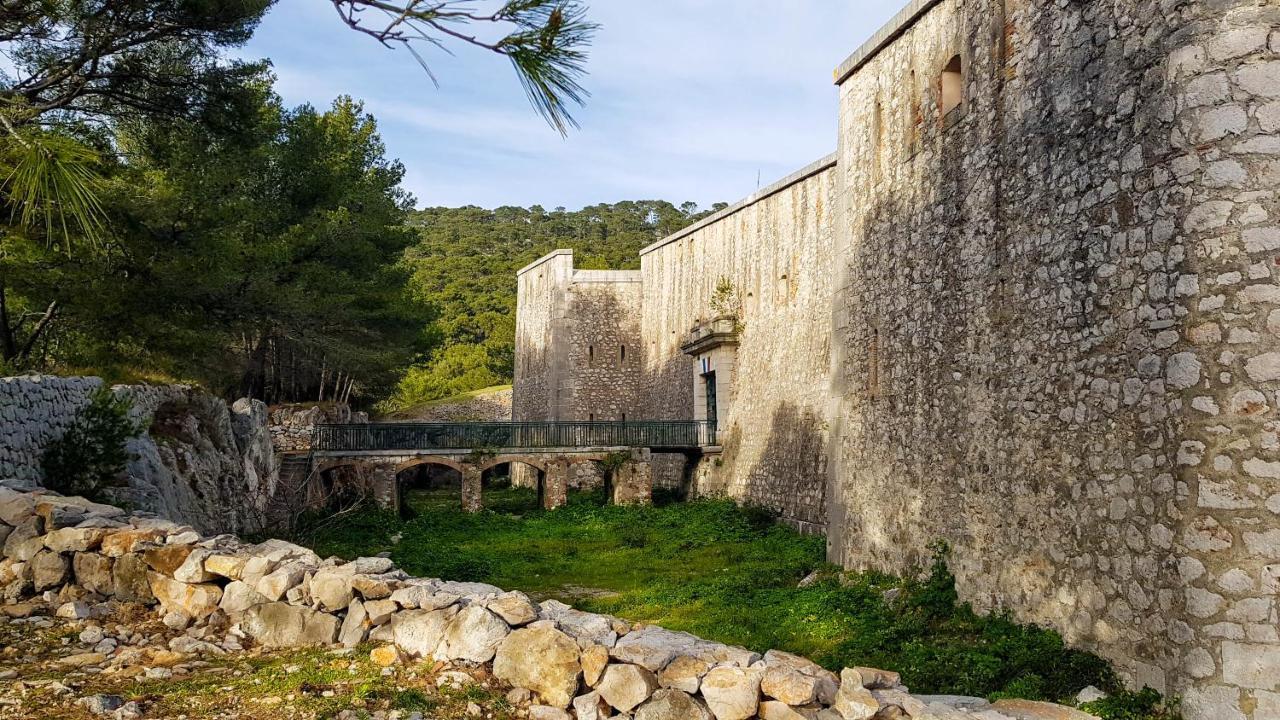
(49, 570)
(192, 569)
(423, 597)
(594, 660)
(1032, 710)
(474, 635)
(420, 632)
(167, 559)
(129, 578)
(331, 588)
(515, 608)
(130, 540)
(25, 540)
(355, 626)
(279, 551)
(541, 659)
(74, 539)
(789, 685)
(590, 707)
(239, 596)
(227, 566)
(587, 628)
(371, 587)
(684, 673)
(193, 600)
(5, 529)
(380, 611)
(671, 704)
(60, 512)
(93, 572)
(276, 625)
(732, 693)
(853, 701)
(281, 580)
(624, 686)
(16, 507)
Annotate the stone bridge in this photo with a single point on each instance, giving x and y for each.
(380, 452)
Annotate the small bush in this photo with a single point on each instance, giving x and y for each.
(1144, 705)
(90, 457)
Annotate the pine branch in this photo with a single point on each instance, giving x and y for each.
(546, 41)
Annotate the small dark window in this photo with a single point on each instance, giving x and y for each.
(624, 417)
(591, 417)
(952, 86)
(622, 353)
(591, 355)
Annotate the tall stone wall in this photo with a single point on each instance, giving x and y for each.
(1051, 322)
(197, 460)
(776, 250)
(578, 349)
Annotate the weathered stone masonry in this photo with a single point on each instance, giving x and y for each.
(1045, 259)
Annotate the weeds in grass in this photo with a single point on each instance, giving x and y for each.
(730, 574)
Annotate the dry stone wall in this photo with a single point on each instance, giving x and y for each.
(775, 248)
(77, 558)
(1051, 326)
(198, 459)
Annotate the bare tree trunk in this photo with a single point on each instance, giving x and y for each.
(324, 375)
(39, 329)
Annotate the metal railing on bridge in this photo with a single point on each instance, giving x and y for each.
(531, 435)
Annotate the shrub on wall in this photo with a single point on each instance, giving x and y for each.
(90, 457)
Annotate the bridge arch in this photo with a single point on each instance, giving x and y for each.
(495, 461)
(429, 460)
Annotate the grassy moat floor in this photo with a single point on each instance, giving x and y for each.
(731, 574)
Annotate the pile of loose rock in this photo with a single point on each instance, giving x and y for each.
(226, 595)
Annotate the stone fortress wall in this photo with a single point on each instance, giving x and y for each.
(1029, 308)
(198, 460)
(577, 342)
(775, 248)
(578, 350)
(1050, 328)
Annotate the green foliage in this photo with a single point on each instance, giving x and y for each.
(1146, 704)
(260, 258)
(90, 456)
(51, 182)
(464, 267)
(730, 574)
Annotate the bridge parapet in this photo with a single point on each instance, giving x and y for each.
(545, 436)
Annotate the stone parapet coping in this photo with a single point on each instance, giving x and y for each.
(544, 258)
(891, 31)
(800, 175)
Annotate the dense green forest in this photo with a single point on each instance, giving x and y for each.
(464, 268)
(165, 216)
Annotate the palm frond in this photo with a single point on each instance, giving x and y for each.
(54, 183)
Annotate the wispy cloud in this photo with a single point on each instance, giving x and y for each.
(691, 100)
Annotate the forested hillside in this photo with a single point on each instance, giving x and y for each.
(464, 267)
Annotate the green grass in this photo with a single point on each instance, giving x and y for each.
(729, 574)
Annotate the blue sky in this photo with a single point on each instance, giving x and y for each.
(691, 100)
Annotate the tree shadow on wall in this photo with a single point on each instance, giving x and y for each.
(790, 475)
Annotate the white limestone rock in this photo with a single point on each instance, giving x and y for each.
(624, 686)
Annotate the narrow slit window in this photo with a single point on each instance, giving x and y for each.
(622, 354)
(591, 355)
(952, 85)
